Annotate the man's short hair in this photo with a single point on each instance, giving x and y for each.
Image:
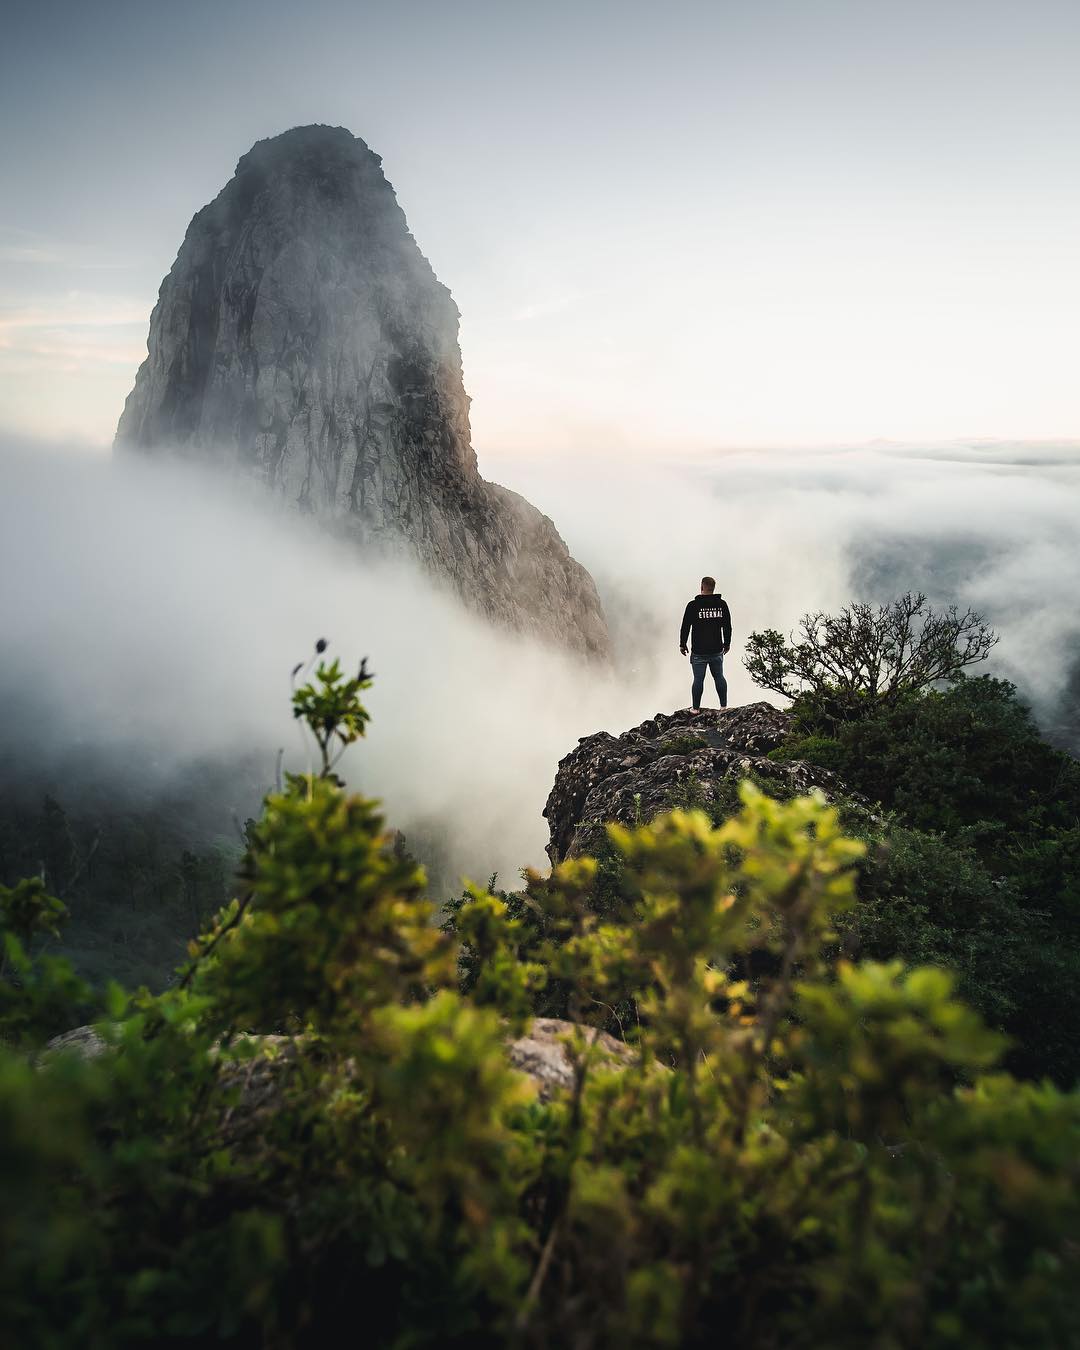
(708, 585)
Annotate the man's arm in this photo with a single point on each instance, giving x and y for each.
(727, 627)
(687, 620)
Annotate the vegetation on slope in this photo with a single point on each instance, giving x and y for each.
(974, 843)
(138, 873)
(318, 1126)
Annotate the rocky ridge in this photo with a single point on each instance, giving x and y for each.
(641, 772)
(302, 337)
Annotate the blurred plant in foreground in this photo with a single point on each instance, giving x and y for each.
(320, 1123)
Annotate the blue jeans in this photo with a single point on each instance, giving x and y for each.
(715, 663)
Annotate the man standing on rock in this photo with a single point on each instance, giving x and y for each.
(710, 619)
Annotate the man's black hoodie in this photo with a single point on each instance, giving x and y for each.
(710, 618)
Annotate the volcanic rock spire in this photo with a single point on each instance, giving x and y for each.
(302, 335)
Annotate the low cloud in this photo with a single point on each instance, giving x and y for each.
(151, 614)
(987, 524)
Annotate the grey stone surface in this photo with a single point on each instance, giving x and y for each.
(82, 1041)
(541, 1053)
(606, 778)
(302, 337)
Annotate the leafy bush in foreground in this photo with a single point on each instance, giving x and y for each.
(317, 1129)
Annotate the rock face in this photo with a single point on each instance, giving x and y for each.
(541, 1053)
(643, 771)
(302, 336)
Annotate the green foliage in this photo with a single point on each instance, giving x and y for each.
(780, 1156)
(493, 966)
(826, 751)
(27, 910)
(330, 924)
(964, 758)
(930, 901)
(720, 799)
(39, 995)
(1049, 866)
(330, 707)
(868, 654)
(979, 867)
(683, 745)
(882, 1043)
(139, 874)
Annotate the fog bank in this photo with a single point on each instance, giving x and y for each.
(993, 526)
(151, 614)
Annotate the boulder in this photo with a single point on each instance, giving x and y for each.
(541, 1053)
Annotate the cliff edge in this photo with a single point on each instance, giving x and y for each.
(672, 759)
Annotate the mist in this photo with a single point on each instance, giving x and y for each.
(152, 614)
(987, 525)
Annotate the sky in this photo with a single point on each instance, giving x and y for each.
(669, 229)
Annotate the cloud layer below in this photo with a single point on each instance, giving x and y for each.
(151, 615)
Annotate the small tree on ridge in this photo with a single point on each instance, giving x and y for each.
(875, 652)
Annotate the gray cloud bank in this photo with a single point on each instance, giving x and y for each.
(151, 614)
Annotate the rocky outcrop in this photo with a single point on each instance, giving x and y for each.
(302, 336)
(541, 1053)
(660, 763)
(85, 1042)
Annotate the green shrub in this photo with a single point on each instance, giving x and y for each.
(783, 1159)
(930, 901)
(826, 751)
(683, 745)
(40, 995)
(980, 869)
(140, 873)
(968, 757)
